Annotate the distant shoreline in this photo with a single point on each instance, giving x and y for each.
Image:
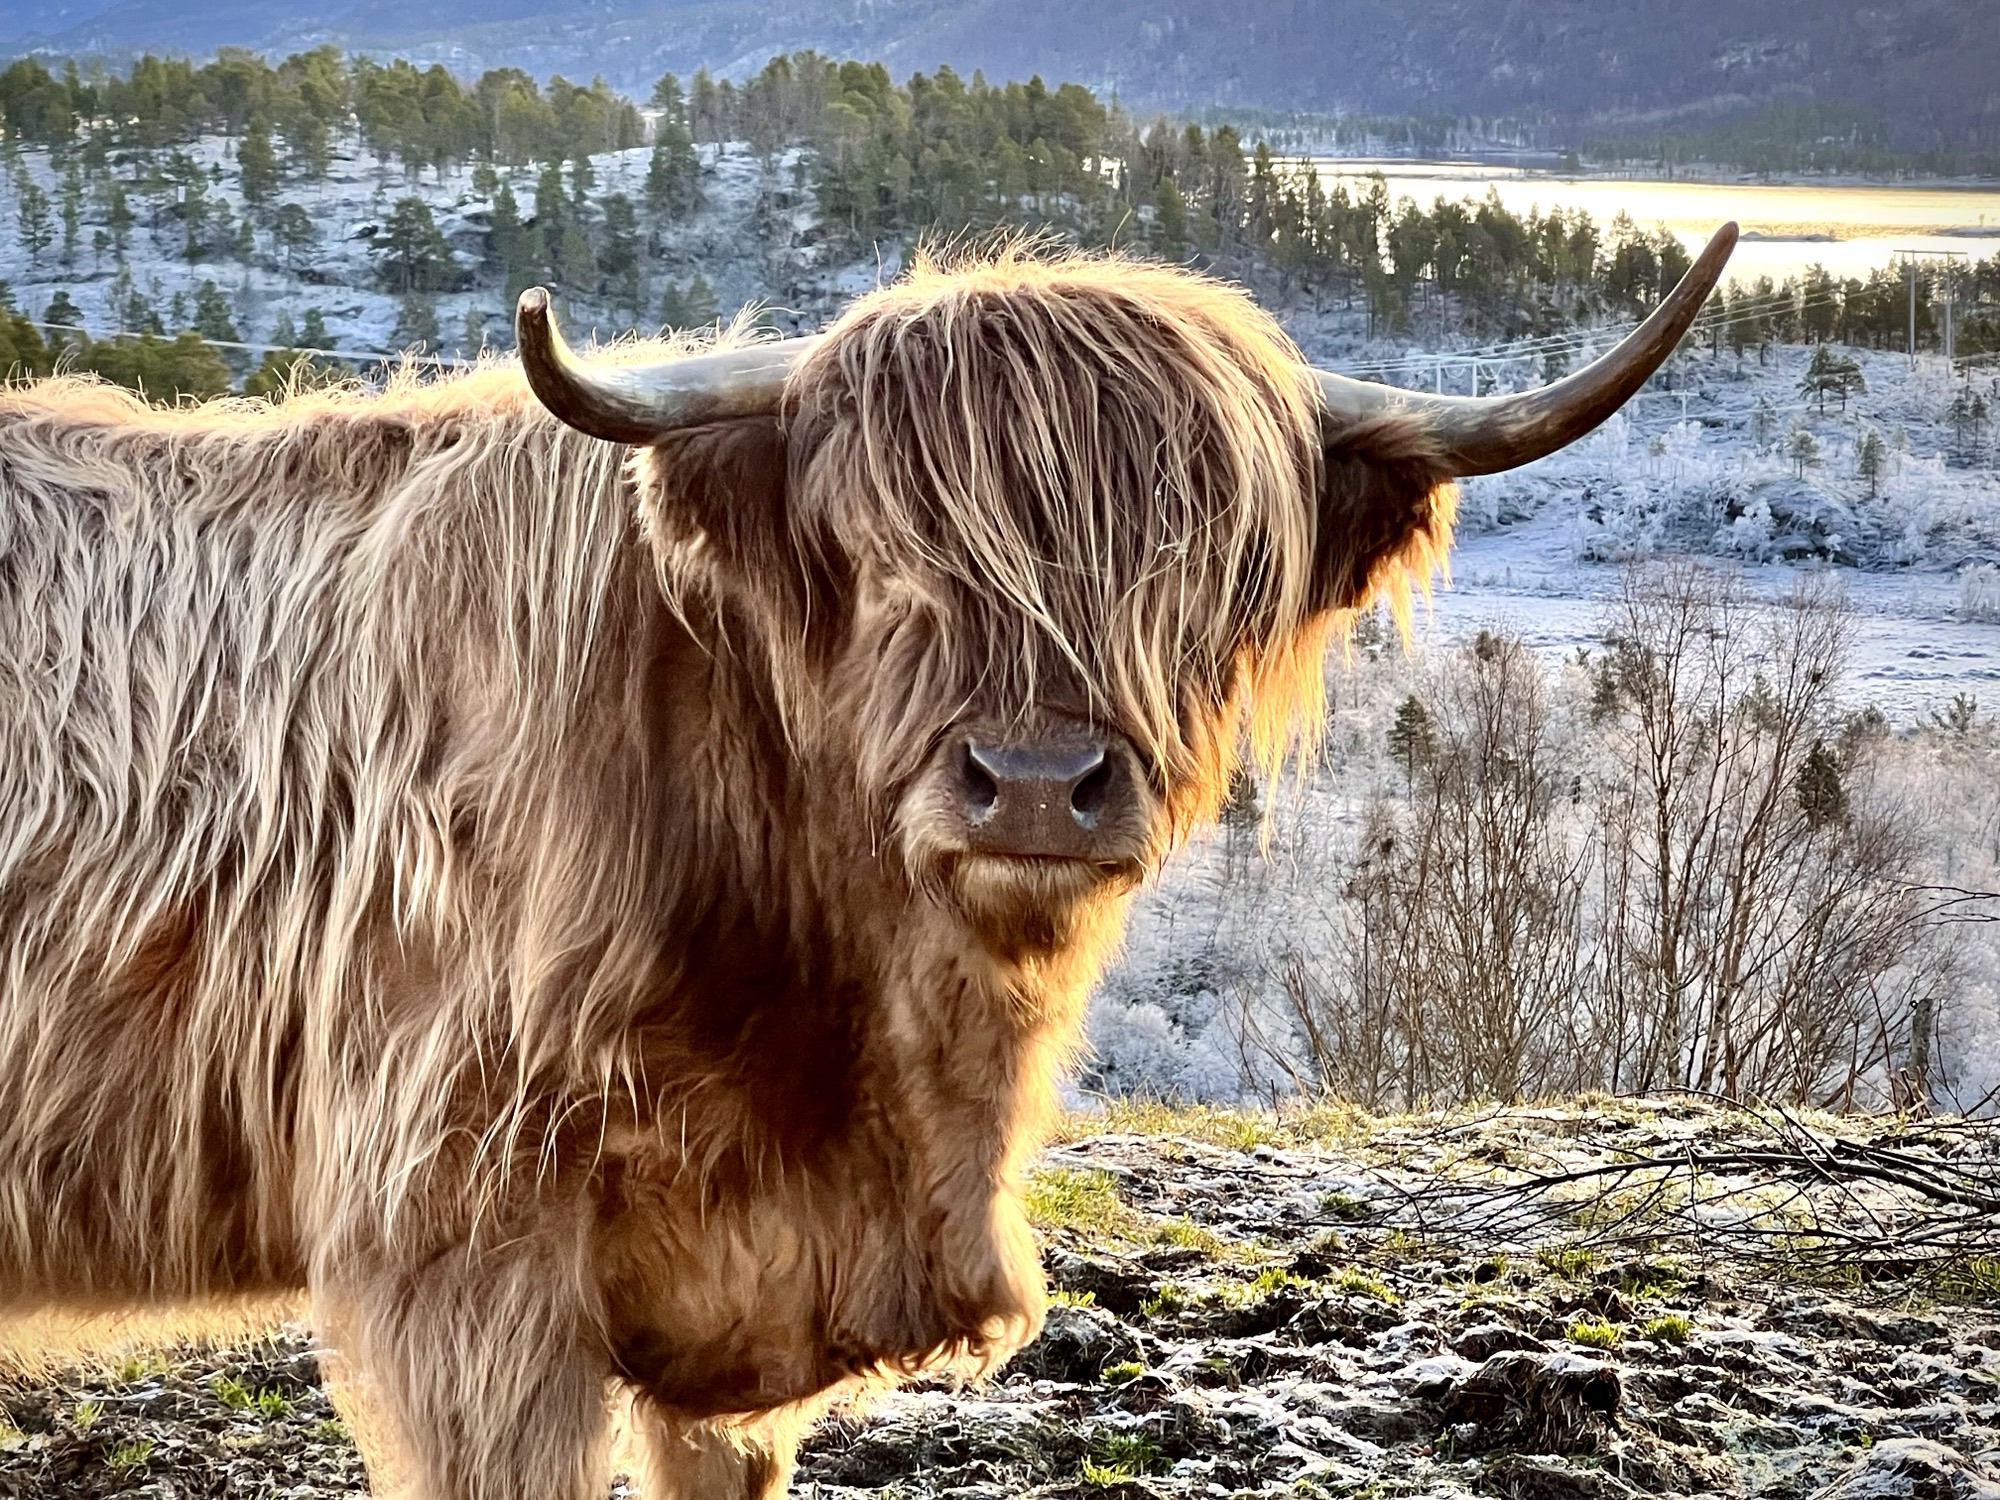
(1550, 166)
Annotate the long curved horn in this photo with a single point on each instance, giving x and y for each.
(1485, 434)
(643, 403)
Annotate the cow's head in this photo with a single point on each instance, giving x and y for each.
(1036, 544)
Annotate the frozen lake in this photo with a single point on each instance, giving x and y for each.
(1850, 230)
(1913, 648)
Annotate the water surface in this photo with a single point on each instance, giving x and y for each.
(1850, 230)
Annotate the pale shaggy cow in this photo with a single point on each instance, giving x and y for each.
(605, 910)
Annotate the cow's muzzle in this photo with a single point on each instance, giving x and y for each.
(1069, 796)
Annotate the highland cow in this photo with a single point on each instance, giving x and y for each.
(599, 889)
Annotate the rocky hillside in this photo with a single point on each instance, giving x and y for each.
(1927, 67)
(1334, 1305)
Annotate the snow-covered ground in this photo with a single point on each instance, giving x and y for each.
(753, 240)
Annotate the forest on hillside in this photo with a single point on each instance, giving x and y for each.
(938, 157)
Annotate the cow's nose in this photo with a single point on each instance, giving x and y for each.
(1044, 798)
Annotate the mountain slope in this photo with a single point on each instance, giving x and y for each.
(1931, 68)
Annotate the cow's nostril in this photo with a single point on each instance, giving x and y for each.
(980, 790)
(1088, 796)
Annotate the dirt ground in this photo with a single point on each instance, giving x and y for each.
(1254, 1307)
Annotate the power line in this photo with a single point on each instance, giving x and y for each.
(363, 355)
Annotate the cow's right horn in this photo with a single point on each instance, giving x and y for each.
(643, 403)
(1485, 434)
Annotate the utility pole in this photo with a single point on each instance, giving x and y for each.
(1948, 263)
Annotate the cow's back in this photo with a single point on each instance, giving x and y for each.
(227, 681)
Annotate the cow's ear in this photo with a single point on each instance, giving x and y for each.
(1386, 508)
(716, 503)
(718, 488)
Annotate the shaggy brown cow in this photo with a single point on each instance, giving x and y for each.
(609, 920)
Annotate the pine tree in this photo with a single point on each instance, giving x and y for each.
(312, 331)
(1412, 738)
(1821, 795)
(256, 165)
(673, 174)
(1763, 421)
(416, 324)
(31, 209)
(292, 228)
(1959, 412)
(691, 307)
(119, 216)
(23, 354)
(1803, 450)
(701, 304)
(308, 146)
(61, 313)
(72, 213)
(620, 260)
(576, 263)
(1831, 374)
(551, 215)
(139, 315)
(1871, 457)
(415, 257)
(512, 248)
(211, 315)
(668, 98)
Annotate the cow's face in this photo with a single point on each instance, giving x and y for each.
(1069, 516)
(1035, 549)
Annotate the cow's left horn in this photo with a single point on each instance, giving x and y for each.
(1485, 434)
(643, 403)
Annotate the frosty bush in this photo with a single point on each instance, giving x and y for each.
(1979, 592)
(1673, 863)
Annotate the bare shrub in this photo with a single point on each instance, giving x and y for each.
(1462, 972)
(1758, 929)
(1672, 869)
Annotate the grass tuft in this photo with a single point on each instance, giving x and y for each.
(1116, 1457)
(269, 1403)
(1352, 1281)
(129, 1456)
(1974, 1279)
(1344, 1207)
(1594, 1333)
(1572, 1263)
(1078, 1198)
(1668, 1328)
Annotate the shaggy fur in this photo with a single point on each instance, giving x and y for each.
(488, 883)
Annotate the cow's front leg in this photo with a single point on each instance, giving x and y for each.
(474, 1377)
(682, 1458)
